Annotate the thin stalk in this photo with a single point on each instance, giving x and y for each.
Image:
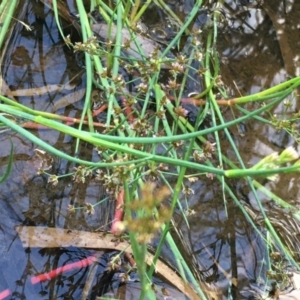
(7, 8)
(135, 17)
(273, 90)
(176, 194)
(139, 252)
(214, 111)
(156, 140)
(180, 258)
(56, 15)
(99, 142)
(86, 33)
(134, 9)
(166, 8)
(191, 17)
(266, 220)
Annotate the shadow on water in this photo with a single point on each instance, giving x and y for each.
(258, 47)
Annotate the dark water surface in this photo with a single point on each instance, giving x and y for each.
(258, 47)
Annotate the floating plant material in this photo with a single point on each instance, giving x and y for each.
(42, 160)
(147, 45)
(56, 237)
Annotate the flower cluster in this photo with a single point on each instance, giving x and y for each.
(274, 161)
(113, 181)
(147, 214)
(81, 173)
(208, 149)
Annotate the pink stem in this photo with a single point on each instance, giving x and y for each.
(52, 274)
(119, 213)
(4, 294)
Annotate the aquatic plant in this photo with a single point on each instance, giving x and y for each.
(139, 147)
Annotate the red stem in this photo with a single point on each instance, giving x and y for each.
(5, 294)
(68, 120)
(52, 274)
(119, 213)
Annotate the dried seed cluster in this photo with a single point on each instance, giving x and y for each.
(147, 214)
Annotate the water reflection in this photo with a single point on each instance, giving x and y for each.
(258, 47)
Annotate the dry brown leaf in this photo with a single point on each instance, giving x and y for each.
(234, 281)
(38, 91)
(68, 99)
(56, 237)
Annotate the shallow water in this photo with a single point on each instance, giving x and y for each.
(257, 49)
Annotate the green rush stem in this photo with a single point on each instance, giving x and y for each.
(227, 188)
(139, 250)
(277, 238)
(215, 110)
(118, 43)
(117, 52)
(176, 195)
(152, 81)
(106, 87)
(127, 8)
(86, 33)
(7, 8)
(277, 199)
(266, 220)
(98, 142)
(185, 77)
(267, 192)
(191, 17)
(165, 7)
(258, 118)
(56, 15)
(103, 9)
(3, 5)
(134, 9)
(180, 259)
(140, 12)
(261, 95)
(147, 140)
(202, 94)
